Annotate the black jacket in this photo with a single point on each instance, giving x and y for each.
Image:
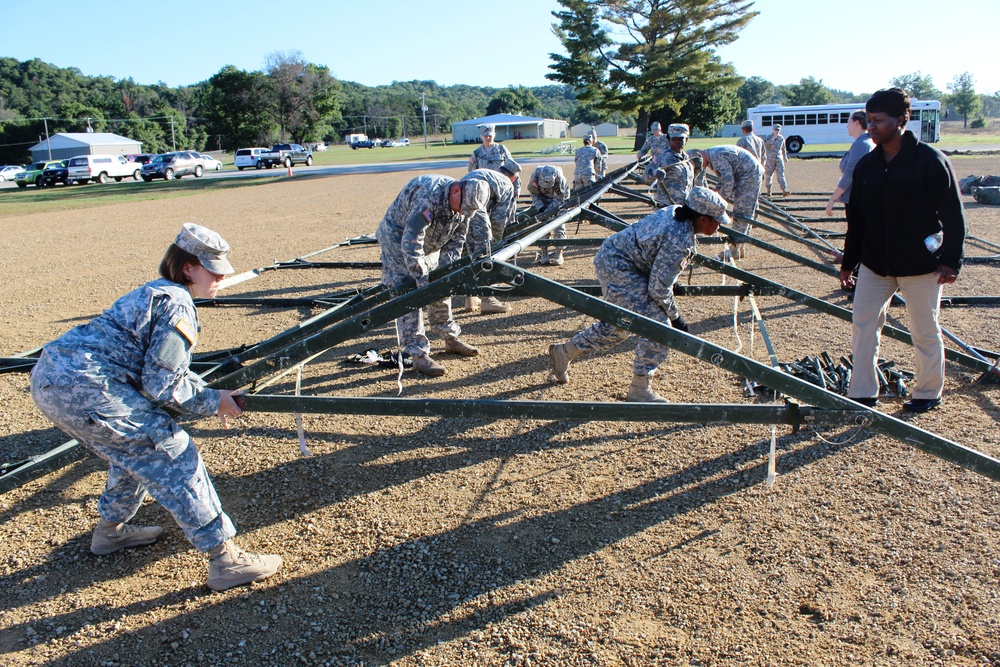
(895, 206)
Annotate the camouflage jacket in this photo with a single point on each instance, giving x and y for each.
(140, 346)
(551, 197)
(489, 158)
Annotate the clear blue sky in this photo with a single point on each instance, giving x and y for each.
(853, 45)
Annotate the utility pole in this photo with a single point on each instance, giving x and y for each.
(48, 144)
(365, 117)
(423, 110)
(173, 140)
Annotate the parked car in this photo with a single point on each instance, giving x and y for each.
(211, 164)
(141, 158)
(173, 165)
(286, 155)
(31, 173)
(364, 143)
(388, 143)
(249, 157)
(8, 171)
(403, 142)
(56, 175)
(102, 168)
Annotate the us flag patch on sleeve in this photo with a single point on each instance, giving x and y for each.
(185, 329)
(428, 216)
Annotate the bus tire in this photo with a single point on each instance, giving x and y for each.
(794, 144)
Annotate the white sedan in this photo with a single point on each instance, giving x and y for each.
(211, 164)
(7, 172)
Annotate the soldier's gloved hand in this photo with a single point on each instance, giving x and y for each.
(679, 323)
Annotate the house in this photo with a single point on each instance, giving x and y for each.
(70, 144)
(510, 126)
(603, 129)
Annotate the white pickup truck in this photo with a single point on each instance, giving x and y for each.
(101, 168)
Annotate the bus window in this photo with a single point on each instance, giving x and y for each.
(821, 118)
(765, 120)
(810, 119)
(800, 119)
(845, 117)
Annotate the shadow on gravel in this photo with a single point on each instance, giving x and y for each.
(401, 598)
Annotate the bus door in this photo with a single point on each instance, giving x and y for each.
(928, 125)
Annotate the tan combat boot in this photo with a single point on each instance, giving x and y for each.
(641, 390)
(230, 566)
(428, 366)
(492, 306)
(472, 304)
(111, 537)
(561, 355)
(557, 258)
(459, 346)
(543, 256)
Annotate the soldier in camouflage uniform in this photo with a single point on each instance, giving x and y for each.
(498, 213)
(739, 182)
(117, 383)
(751, 142)
(492, 155)
(602, 149)
(673, 169)
(637, 268)
(549, 190)
(655, 142)
(775, 160)
(424, 227)
(587, 159)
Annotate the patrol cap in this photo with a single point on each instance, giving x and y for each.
(747, 125)
(511, 166)
(776, 126)
(708, 203)
(678, 130)
(548, 175)
(655, 126)
(207, 246)
(487, 131)
(475, 196)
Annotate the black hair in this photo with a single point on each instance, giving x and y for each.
(173, 263)
(892, 101)
(686, 214)
(860, 116)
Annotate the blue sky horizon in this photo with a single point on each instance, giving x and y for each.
(471, 43)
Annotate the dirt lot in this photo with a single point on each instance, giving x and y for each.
(421, 541)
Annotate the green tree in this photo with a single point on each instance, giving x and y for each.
(755, 91)
(808, 91)
(636, 56)
(235, 104)
(963, 96)
(917, 85)
(512, 100)
(304, 95)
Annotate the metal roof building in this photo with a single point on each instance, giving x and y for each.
(510, 126)
(70, 144)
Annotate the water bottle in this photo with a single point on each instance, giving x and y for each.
(934, 241)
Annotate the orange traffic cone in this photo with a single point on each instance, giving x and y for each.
(289, 170)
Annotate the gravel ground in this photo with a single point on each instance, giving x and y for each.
(422, 541)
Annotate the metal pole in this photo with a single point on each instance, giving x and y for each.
(423, 110)
(48, 144)
(173, 139)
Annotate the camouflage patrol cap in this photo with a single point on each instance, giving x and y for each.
(475, 196)
(487, 131)
(654, 126)
(207, 246)
(747, 125)
(548, 175)
(776, 126)
(511, 166)
(707, 202)
(678, 130)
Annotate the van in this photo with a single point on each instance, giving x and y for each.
(249, 157)
(101, 168)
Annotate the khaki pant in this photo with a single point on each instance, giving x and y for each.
(871, 301)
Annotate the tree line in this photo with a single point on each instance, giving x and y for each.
(627, 63)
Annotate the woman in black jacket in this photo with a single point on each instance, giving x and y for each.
(906, 230)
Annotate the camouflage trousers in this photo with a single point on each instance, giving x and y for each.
(410, 327)
(745, 200)
(125, 429)
(581, 182)
(630, 290)
(771, 167)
